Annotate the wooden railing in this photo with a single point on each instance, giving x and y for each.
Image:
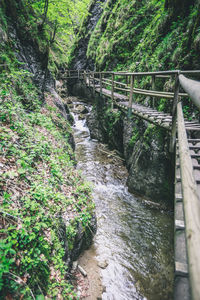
(191, 198)
(124, 84)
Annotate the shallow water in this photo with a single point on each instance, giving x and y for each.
(134, 240)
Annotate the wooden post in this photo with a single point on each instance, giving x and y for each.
(191, 207)
(89, 79)
(131, 96)
(78, 74)
(127, 82)
(112, 91)
(84, 77)
(174, 115)
(153, 88)
(93, 82)
(69, 73)
(100, 75)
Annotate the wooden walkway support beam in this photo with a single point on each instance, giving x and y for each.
(131, 95)
(174, 115)
(153, 88)
(101, 86)
(113, 90)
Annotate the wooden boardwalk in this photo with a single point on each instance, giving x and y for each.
(158, 118)
(185, 143)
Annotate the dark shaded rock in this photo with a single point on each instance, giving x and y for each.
(94, 126)
(80, 61)
(78, 88)
(80, 109)
(27, 52)
(62, 107)
(83, 239)
(148, 161)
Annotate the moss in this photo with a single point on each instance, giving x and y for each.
(145, 32)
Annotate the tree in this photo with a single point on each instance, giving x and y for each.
(59, 19)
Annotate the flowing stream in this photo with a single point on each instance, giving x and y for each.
(134, 240)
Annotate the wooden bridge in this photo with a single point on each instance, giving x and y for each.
(121, 88)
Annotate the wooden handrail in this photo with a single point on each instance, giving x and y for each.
(192, 88)
(191, 207)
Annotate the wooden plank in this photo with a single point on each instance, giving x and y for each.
(194, 140)
(148, 73)
(141, 115)
(197, 167)
(179, 224)
(158, 114)
(192, 128)
(153, 93)
(194, 147)
(116, 82)
(191, 207)
(178, 197)
(195, 155)
(162, 76)
(181, 269)
(122, 89)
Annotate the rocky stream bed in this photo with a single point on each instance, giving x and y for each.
(132, 253)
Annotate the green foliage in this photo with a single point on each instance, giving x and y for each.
(147, 36)
(144, 32)
(112, 117)
(63, 17)
(58, 31)
(38, 184)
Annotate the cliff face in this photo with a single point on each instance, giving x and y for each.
(145, 35)
(80, 59)
(23, 48)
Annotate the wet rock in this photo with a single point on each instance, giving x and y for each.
(83, 239)
(80, 109)
(59, 84)
(69, 101)
(74, 266)
(27, 52)
(94, 126)
(81, 117)
(103, 264)
(148, 161)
